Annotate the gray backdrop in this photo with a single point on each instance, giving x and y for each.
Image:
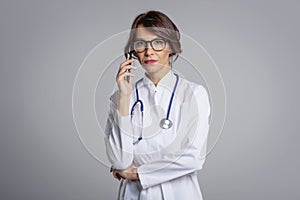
(43, 43)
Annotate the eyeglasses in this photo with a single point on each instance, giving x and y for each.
(157, 44)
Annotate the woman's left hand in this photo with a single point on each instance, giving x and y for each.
(130, 173)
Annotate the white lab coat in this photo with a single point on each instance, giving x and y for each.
(166, 160)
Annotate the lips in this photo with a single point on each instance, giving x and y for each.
(150, 61)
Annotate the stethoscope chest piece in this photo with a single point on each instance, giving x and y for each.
(165, 123)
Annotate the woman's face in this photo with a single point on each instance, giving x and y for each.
(154, 62)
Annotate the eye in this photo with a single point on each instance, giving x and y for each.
(158, 42)
(139, 43)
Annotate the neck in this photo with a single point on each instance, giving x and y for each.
(155, 78)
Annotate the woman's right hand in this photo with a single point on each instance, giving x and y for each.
(125, 87)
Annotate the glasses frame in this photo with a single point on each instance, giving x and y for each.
(151, 41)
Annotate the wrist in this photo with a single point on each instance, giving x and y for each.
(124, 96)
(135, 174)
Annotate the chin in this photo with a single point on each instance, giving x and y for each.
(152, 68)
(150, 71)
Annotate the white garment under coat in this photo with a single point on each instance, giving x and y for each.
(166, 160)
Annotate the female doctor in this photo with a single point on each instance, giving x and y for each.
(157, 128)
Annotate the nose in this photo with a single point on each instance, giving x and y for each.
(148, 50)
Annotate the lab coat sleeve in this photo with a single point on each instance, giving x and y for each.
(118, 137)
(187, 155)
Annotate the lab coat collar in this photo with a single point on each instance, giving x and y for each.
(167, 81)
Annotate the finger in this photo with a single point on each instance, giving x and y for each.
(119, 176)
(127, 62)
(115, 174)
(121, 76)
(127, 67)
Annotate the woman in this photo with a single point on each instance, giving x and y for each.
(157, 128)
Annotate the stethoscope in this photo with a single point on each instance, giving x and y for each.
(165, 123)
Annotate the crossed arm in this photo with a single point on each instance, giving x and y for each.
(186, 161)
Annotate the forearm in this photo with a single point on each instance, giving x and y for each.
(168, 169)
(123, 105)
(183, 156)
(119, 140)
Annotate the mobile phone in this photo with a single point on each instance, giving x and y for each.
(129, 70)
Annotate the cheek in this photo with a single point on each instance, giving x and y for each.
(140, 60)
(139, 57)
(164, 56)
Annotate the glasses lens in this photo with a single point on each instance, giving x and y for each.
(158, 44)
(139, 46)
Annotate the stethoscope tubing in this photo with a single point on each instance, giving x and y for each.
(138, 100)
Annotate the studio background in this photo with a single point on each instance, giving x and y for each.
(254, 43)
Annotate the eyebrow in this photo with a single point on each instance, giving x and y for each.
(148, 40)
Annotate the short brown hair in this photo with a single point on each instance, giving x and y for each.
(161, 25)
